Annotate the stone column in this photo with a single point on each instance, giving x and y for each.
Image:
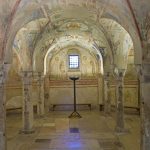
(120, 101)
(144, 76)
(2, 109)
(46, 93)
(40, 106)
(107, 99)
(27, 112)
(100, 91)
(139, 72)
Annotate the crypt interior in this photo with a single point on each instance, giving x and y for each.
(104, 44)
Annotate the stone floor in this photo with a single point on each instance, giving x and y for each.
(55, 131)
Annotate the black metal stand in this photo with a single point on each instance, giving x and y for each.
(75, 113)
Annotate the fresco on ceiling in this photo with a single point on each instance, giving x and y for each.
(147, 35)
(121, 41)
(25, 40)
(73, 26)
(21, 46)
(16, 45)
(90, 3)
(68, 35)
(33, 30)
(146, 26)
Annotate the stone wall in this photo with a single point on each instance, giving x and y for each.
(131, 84)
(61, 87)
(89, 87)
(62, 92)
(59, 64)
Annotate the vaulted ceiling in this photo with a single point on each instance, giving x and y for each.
(106, 27)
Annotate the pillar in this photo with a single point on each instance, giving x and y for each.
(107, 99)
(120, 101)
(144, 76)
(40, 105)
(46, 93)
(2, 110)
(27, 113)
(100, 91)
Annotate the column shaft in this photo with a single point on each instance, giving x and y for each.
(145, 107)
(40, 107)
(27, 103)
(46, 93)
(107, 106)
(100, 92)
(2, 112)
(119, 106)
(143, 74)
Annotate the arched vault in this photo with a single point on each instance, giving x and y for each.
(62, 11)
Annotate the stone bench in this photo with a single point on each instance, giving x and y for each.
(86, 104)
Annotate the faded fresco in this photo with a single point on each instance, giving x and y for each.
(59, 65)
(35, 29)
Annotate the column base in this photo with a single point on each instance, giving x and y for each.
(31, 131)
(119, 130)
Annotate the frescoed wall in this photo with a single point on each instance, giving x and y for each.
(59, 73)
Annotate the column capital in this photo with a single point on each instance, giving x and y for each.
(27, 73)
(2, 75)
(106, 76)
(38, 73)
(4, 68)
(138, 69)
(38, 76)
(146, 47)
(146, 68)
(143, 71)
(27, 77)
(119, 73)
(41, 75)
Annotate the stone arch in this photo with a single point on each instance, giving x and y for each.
(76, 44)
(26, 20)
(134, 37)
(97, 56)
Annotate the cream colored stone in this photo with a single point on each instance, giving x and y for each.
(103, 33)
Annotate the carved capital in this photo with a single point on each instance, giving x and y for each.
(4, 68)
(38, 77)
(27, 77)
(107, 76)
(119, 74)
(139, 69)
(2, 75)
(145, 73)
(26, 74)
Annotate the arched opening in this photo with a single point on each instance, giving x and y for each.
(106, 51)
(98, 56)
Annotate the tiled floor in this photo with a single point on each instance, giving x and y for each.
(56, 131)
